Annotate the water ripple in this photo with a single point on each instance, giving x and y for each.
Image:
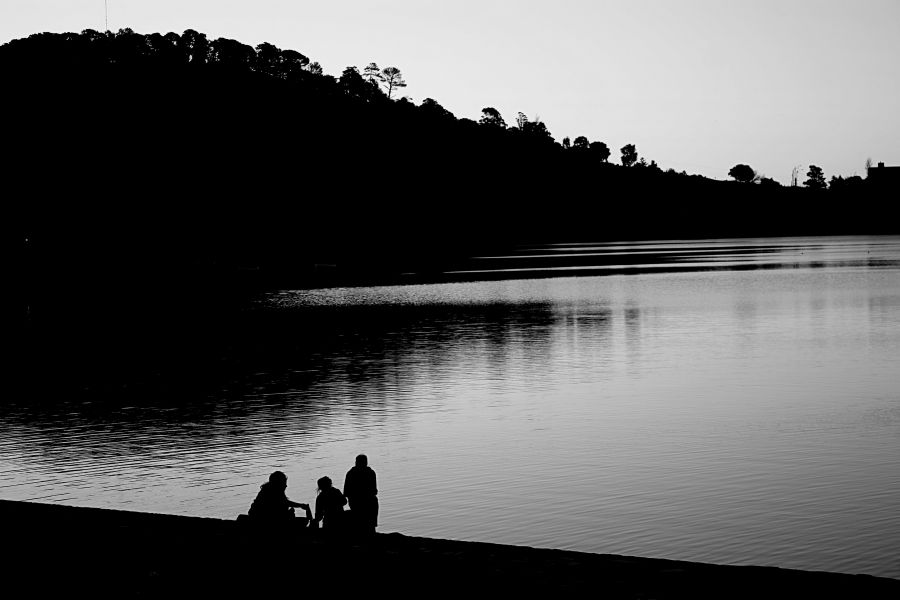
(744, 417)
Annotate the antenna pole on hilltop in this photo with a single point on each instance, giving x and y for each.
(106, 14)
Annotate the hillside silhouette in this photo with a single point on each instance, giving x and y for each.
(157, 181)
(160, 167)
(159, 156)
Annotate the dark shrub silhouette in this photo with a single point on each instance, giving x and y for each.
(580, 143)
(743, 173)
(851, 184)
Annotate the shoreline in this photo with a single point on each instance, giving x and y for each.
(507, 265)
(129, 554)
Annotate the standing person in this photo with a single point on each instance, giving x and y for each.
(271, 503)
(329, 505)
(361, 490)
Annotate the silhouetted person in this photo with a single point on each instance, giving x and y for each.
(361, 490)
(271, 503)
(329, 506)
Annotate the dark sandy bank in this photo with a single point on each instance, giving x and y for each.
(52, 551)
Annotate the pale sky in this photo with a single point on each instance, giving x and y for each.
(699, 85)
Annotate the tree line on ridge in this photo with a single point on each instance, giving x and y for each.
(169, 156)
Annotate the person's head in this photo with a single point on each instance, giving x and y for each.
(362, 460)
(324, 483)
(278, 479)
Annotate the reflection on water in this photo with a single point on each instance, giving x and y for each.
(688, 255)
(723, 416)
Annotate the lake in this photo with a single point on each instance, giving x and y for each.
(727, 401)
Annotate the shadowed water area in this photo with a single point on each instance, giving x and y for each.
(732, 401)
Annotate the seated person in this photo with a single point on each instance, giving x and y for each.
(329, 506)
(271, 503)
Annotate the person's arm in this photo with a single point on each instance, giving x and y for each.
(374, 485)
(319, 509)
(348, 481)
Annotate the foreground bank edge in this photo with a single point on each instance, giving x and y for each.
(54, 549)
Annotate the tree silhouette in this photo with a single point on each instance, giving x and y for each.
(268, 59)
(600, 150)
(853, 184)
(252, 114)
(391, 79)
(567, 143)
(535, 130)
(292, 63)
(629, 155)
(432, 107)
(232, 54)
(815, 178)
(580, 143)
(284, 64)
(521, 121)
(196, 46)
(372, 73)
(491, 117)
(353, 84)
(643, 164)
(743, 173)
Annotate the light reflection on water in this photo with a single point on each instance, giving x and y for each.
(722, 416)
(688, 255)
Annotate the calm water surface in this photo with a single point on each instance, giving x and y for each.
(728, 414)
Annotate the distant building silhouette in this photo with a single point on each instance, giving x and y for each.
(884, 177)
